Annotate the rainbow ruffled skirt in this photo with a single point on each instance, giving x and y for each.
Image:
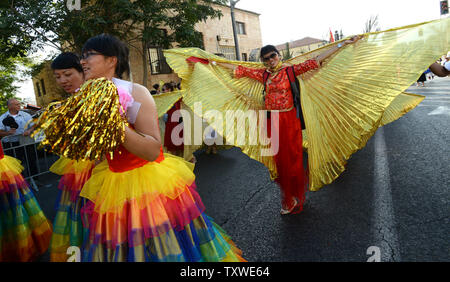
(68, 229)
(151, 212)
(24, 230)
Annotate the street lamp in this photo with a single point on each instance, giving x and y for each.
(233, 22)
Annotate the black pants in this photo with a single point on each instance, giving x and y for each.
(26, 154)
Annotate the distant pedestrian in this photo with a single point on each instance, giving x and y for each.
(422, 79)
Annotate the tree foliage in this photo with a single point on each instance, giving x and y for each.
(371, 24)
(28, 25)
(287, 54)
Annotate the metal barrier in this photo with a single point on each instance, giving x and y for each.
(36, 162)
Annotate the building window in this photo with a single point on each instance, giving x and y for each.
(240, 28)
(244, 57)
(38, 89)
(43, 87)
(228, 52)
(158, 64)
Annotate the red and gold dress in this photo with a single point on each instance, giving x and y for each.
(24, 230)
(289, 158)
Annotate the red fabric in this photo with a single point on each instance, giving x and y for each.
(331, 36)
(197, 60)
(279, 94)
(292, 177)
(123, 160)
(1, 151)
(170, 125)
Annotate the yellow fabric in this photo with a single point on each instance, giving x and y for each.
(344, 101)
(165, 101)
(64, 166)
(110, 190)
(9, 168)
(402, 104)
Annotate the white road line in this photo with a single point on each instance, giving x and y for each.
(441, 110)
(383, 213)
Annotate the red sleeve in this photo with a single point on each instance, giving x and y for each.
(305, 66)
(256, 74)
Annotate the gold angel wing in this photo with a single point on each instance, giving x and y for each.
(165, 101)
(356, 91)
(402, 104)
(344, 102)
(219, 93)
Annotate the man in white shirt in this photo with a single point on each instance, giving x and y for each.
(21, 119)
(11, 136)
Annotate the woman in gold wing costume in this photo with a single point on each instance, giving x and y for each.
(356, 90)
(288, 154)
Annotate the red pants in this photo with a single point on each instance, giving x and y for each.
(289, 158)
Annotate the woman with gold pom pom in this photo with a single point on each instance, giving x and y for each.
(68, 230)
(143, 204)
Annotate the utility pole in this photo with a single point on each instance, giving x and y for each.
(233, 22)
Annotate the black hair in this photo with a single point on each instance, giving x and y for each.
(267, 49)
(156, 86)
(67, 60)
(110, 46)
(169, 85)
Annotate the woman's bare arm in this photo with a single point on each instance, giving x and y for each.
(145, 140)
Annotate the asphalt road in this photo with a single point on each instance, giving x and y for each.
(391, 204)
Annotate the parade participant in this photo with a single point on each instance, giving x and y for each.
(292, 177)
(24, 230)
(143, 204)
(176, 150)
(346, 92)
(68, 229)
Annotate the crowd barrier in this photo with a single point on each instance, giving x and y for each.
(36, 162)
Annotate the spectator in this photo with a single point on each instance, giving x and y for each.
(441, 70)
(21, 118)
(155, 90)
(11, 136)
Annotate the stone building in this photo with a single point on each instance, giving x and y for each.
(45, 88)
(302, 46)
(217, 38)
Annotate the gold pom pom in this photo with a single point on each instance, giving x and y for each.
(86, 126)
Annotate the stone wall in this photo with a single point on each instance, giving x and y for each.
(45, 88)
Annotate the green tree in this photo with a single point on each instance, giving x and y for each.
(166, 22)
(28, 25)
(371, 24)
(287, 54)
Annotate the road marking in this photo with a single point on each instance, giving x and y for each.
(442, 110)
(383, 217)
